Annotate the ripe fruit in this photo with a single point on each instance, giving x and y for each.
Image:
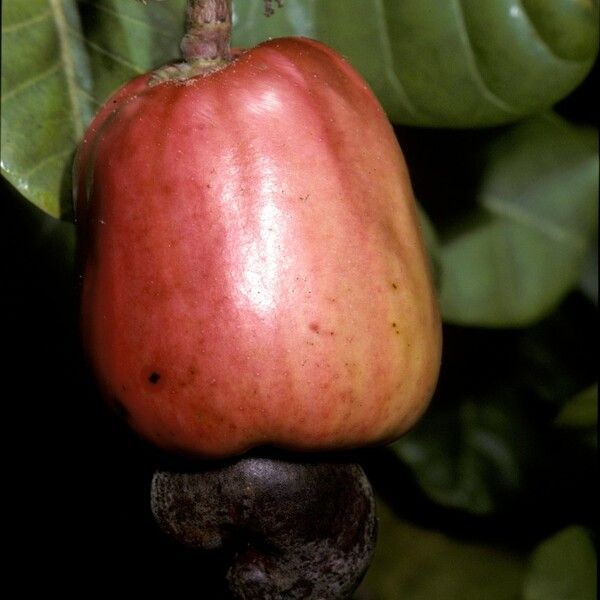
(252, 268)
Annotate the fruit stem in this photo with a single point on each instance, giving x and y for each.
(208, 32)
(206, 45)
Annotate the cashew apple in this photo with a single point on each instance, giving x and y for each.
(252, 269)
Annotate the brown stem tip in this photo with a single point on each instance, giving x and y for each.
(208, 31)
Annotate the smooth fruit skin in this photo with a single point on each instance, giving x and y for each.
(252, 267)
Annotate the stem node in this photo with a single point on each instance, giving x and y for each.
(208, 31)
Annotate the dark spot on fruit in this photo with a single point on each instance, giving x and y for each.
(154, 377)
(314, 326)
(394, 286)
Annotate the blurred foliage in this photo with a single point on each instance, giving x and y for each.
(537, 215)
(581, 411)
(419, 564)
(470, 454)
(451, 63)
(506, 455)
(580, 414)
(563, 567)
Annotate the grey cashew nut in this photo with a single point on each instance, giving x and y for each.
(295, 530)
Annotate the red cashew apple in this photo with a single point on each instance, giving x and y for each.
(252, 267)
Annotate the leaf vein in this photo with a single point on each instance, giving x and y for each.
(26, 22)
(115, 57)
(474, 65)
(538, 35)
(552, 231)
(31, 81)
(388, 59)
(69, 64)
(27, 174)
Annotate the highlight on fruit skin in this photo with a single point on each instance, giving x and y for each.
(252, 270)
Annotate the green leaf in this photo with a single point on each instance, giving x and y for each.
(581, 412)
(525, 248)
(60, 60)
(457, 63)
(46, 100)
(563, 568)
(469, 455)
(127, 38)
(419, 564)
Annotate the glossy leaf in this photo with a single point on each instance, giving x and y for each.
(419, 564)
(563, 568)
(525, 247)
(60, 60)
(470, 455)
(451, 63)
